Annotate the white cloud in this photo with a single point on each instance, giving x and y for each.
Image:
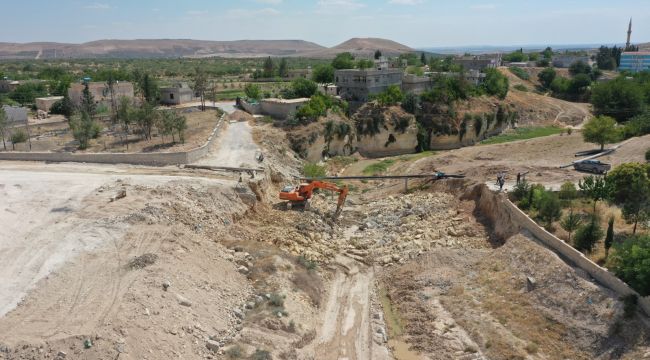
(270, 2)
(332, 6)
(406, 2)
(483, 7)
(97, 6)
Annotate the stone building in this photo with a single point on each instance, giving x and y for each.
(15, 114)
(100, 92)
(565, 61)
(45, 103)
(177, 94)
(357, 85)
(478, 63)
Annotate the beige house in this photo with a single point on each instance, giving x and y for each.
(100, 92)
(45, 103)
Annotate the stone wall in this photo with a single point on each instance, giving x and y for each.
(155, 159)
(281, 109)
(508, 219)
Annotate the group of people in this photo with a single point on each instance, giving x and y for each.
(501, 179)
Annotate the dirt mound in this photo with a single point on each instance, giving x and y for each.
(239, 115)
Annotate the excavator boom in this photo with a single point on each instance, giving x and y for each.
(301, 194)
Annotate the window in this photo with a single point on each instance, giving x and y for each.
(171, 96)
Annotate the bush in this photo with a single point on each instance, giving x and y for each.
(588, 235)
(521, 190)
(276, 300)
(391, 96)
(637, 126)
(568, 191)
(495, 83)
(312, 170)
(521, 87)
(261, 355)
(549, 208)
(630, 261)
(253, 91)
(519, 72)
(235, 352)
(619, 98)
(546, 77)
(18, 136)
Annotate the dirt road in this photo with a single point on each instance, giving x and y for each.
(234, 147)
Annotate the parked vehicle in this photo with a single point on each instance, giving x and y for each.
(592, 166)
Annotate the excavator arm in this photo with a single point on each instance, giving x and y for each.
(303, 193)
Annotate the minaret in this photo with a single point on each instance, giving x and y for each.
(629, 35)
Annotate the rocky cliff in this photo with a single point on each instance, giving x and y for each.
(385, 131)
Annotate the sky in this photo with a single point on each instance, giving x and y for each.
(416, 23)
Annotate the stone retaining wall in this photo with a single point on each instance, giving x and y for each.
(501, 210)
(155, 159)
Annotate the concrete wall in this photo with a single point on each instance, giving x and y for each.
(46, 103)
(15, 114)
(100, 92)
(176, 96)
(501, 211)
(281, 109)
(156, 159)
(251, 108)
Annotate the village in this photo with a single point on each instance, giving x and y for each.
(284, 200)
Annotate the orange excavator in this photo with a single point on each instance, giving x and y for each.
(302, 194)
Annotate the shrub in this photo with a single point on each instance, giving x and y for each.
(391, 96)
(521, 87)
(630, 261)
(549, 208)
(568, 191)
(253, 91)
(495, 83)
(312, 170)
(18, 136)
(276, 300)
(261, 355)
(588, 235)
(235, 352)
(519, 72)
(547, 76)
(637, 126)
(521, 190)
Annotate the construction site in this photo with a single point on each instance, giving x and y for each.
(231, 258)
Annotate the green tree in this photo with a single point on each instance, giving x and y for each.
(391, 96)
(343, 61)
(283, 68)
(377, 54)
(609, 237)
(88, 104)
(323, 74)
(110, 84)
(600, 130)
(84, 128)
(630, 190)
(269, 68)
(303, 88)
(125, 117)
(571, 222)
(630, 261)
(28, 92)
(423, 58)
(180, 125)
(146, 86)
(595, 188)
(496, 83)
(550, 209)
(17, 137)
(165, 124)
(608, 58)
(588, 235)
(619, 98)
(63, 107)
(410, 103)
(579, 67)
(568, 191)
(200, 81)
(252, 91)
(4, 125)
(579, 85)
(365, 64)
(547, 53)
(637, 126)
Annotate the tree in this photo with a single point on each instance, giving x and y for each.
(63, 107)
(579, 67)
(377, 54)
(547, 76)
(200, 84)
(4, 125)
(88, 104)
(588, 235)
(303, 88)
(549, 208)
(343, 61)
(630, 261)
(423, 58)
(547, 53)
(124, 117)
(323, 74)
(269, 68)
(595, 188)
(180, 125)
(283, 68)
(637, 126)
(630, 189)
(146, 86)
(608, 58)
(391, 96)
(26, 93)
(496, 83)
(609, 237)
(600, 130)
(110, 84)
(410, 103)
(84, 128)
(17, 137)
(568, 191)
(165, 124)
(252, 91)
(365, 64)
(146, 118)
(578, 85)
(571, 222)
(619, 98)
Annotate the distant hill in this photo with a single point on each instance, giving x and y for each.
(160, 48)
(176, 48)
(644, 47)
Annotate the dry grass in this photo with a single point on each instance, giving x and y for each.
(310, 283)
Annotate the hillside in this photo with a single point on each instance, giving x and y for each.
(175, 48)
(158, 48)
